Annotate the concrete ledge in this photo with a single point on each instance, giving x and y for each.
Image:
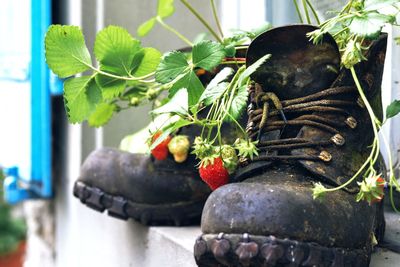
(174, 245)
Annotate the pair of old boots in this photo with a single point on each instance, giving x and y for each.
(319, 133)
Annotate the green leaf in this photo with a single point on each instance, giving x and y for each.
(115, 48)
(193, 85)
(110, 87)
(216, 87)
(147, 61)
(369, 24)
(207, 54)
(393, 109)
(146, 27)
(171, 66)
(167, 130)
(221, 76)
(230, 50)
(66, 51)
(239, 102)
(81, 95)
(212, 94)
(101, 115)
(252, 68)
(165, 8)
(371, 5)
(177, 104)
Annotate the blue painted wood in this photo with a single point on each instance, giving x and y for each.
(41, 181)
(39, 184)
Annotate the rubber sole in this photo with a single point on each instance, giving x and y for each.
(233, 250)
(178, 214)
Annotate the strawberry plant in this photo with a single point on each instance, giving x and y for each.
(127, 75)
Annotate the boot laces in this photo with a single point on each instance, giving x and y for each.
(268, 113)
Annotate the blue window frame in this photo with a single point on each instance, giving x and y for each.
(35, 180)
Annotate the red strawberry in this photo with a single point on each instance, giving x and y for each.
(160, 152)
(214, 173)
(378, 196)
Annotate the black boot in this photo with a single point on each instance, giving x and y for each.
(156, 192)
(138, 186)
(271, 218)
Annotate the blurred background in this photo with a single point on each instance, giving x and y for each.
(41, 152)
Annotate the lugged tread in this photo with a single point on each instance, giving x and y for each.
(233, 250)
(181, 213)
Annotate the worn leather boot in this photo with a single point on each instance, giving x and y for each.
(138, 186)
(271, 218)
(134, 185)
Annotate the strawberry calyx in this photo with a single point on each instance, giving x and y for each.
(371, 189)
(230, 158)
(246, 148)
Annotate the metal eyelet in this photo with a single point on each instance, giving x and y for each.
(338, 140)
(360, 102)
(325, 156)
(351, 122)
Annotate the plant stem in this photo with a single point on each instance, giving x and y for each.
(306, 11)
(392, 200)
(298, 11)
(366, 103)
(355, 175)
(313, 11)
(375, 146)
(114, 76)
(347, 7)
(202, 20)
(392, 178)
(169, 28)
(131, 78)
(215, 13)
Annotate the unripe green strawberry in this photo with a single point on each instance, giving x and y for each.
(152, 94)
(229, 157)
(179, 147)
(135, 101)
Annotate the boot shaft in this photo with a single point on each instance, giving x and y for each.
(323, 125)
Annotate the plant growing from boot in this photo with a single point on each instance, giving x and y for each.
(359, 22)
(129, 75)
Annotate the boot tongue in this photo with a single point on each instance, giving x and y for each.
(297, 66)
